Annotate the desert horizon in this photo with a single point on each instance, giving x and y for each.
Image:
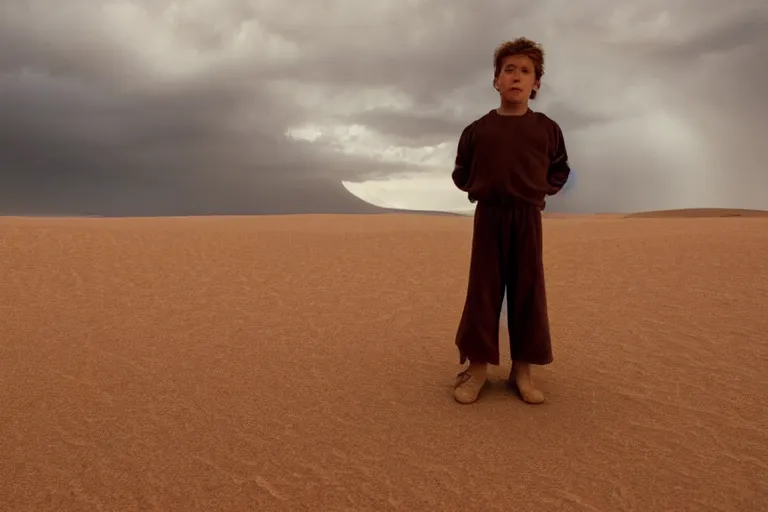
(281, 363)
(671, 213)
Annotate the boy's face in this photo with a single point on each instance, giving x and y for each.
(517, 79)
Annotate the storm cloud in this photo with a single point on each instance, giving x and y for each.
(211, 106)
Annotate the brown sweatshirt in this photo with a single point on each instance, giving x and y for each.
(511, 156)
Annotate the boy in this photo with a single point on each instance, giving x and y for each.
(508, 161)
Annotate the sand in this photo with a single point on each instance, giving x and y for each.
(306, 362)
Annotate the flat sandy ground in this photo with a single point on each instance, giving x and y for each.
(306, 363)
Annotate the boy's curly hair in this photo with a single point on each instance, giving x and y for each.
(520, 46)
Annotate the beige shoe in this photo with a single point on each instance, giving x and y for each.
(520, 379)
(468, 386)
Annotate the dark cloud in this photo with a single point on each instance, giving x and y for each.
(77, 138)
(157, 107)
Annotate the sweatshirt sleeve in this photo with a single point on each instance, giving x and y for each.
(464, 156)
(559, 168)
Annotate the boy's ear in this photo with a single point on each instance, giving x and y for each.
(496, 83)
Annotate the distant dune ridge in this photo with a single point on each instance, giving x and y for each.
(305, 362)
(679, 213)
(703, 212)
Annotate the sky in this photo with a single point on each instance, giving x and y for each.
(153, 107)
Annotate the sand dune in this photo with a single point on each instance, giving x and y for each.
(305, 363)
(703, 212)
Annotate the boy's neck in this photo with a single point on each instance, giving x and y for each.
(512, 109)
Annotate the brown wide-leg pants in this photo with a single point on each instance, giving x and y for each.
(506, 251)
